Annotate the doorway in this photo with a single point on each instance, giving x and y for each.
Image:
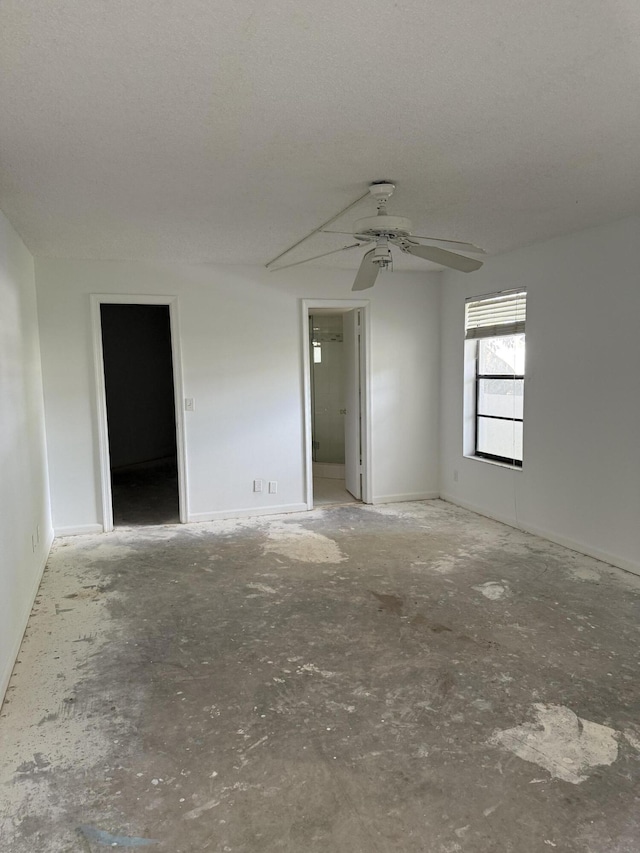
(336, 402)
(140, 446)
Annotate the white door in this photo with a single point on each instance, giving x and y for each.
(352, 429)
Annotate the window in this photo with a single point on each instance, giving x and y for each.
(496, 341)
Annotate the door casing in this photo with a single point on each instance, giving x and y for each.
(352, 367)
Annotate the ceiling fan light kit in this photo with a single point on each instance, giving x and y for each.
(384, 229)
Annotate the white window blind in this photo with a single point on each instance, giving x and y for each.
(496, 314)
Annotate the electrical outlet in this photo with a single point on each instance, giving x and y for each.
(257, 485)
(273, 487)
(189, 404)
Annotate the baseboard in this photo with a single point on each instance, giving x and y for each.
(571, 544)
(5, 676)
(247, 512)
(78, 530)
(416, 496)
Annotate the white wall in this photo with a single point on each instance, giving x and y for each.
(24, 500)
(242, 363)
(580, 482)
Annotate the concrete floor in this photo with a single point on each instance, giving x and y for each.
(352, 680)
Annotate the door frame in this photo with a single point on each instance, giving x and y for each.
(104, 463)
(343, 306)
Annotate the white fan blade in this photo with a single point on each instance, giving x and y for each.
(315, 257)
(350, 234)
(455, 244)
(367, 273)
(442, 257)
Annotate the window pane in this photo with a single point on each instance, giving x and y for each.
(501, 355)
(502, 397)
(500, 438)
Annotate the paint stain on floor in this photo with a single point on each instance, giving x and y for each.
(561, 742)
(108, 839)
(493, 590)
(295, 542)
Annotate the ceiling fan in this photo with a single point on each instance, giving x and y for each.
(385, 231)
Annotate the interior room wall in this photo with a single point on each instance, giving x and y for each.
(579, 484)
(139, 383)
(25, 518)
(328, 390)
(242, 347)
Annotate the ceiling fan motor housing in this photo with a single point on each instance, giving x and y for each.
(383, 226)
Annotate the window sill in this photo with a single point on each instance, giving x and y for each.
(493, 462)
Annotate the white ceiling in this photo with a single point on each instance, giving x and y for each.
(224, 131)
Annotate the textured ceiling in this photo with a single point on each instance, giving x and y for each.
(224, 131)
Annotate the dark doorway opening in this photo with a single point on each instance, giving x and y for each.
(141, 418)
